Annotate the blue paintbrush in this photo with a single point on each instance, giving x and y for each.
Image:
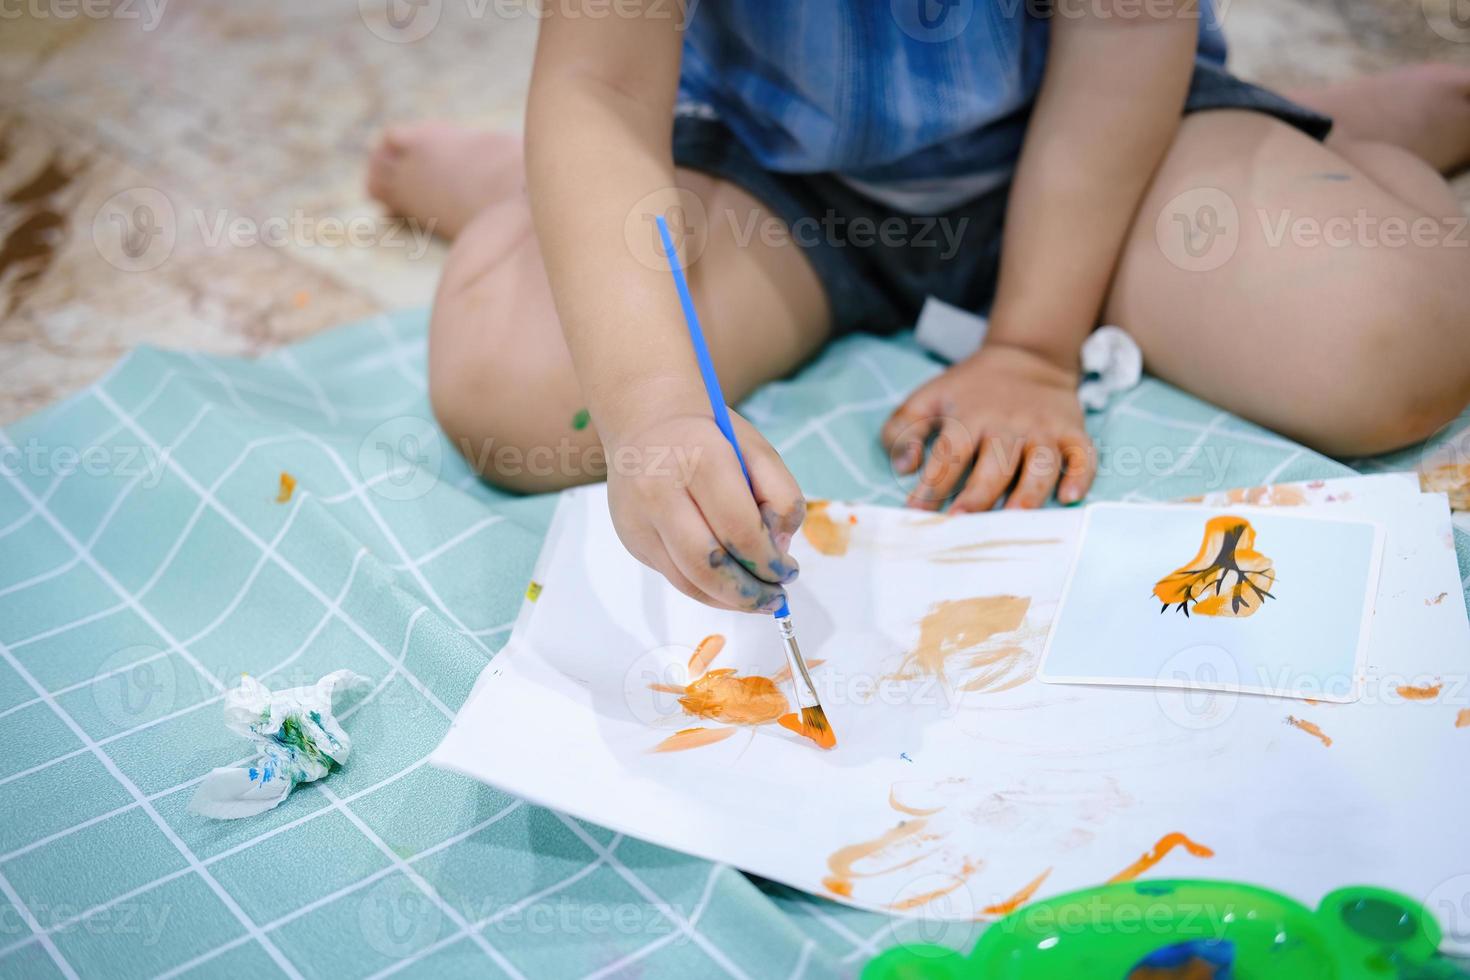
(813, 723)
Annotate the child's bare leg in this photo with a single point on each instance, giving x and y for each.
(441, 174)
(1277, 277)
(500, 373)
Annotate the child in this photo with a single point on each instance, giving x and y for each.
(1087, 161)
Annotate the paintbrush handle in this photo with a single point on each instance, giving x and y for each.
(701, 349)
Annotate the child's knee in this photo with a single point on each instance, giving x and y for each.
(1403, 370)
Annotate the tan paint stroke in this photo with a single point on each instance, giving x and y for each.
(1165, 844)
(842, 862)
(1274, 495)
(913, 811)
(1001, 669)
(692, 738)
(1437, 599)
(829, 536)
(1423, 692)
(958, 626)
(979, 550)
(1311, 729)
(1017, 900)
(1462, 720)
(286, 489)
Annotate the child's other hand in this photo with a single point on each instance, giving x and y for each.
(681, 506)
(1007, 416)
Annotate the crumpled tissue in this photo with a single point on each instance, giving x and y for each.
(299, 738)
(1111, 360)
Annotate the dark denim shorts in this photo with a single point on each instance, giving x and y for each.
(876, 282)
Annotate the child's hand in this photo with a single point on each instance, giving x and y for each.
(1016, 411)
(681, 506)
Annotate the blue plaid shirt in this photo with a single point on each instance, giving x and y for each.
(876, 90)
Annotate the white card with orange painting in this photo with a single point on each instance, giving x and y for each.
(1236, 598)
(961, 786)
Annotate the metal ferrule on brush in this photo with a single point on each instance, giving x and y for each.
(806, 691)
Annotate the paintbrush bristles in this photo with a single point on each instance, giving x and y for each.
(816, 719)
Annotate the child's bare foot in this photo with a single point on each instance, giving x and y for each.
(441, 174)
(1423, 108)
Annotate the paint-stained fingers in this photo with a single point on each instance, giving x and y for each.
(994, 470)
(906, 432)
(701, 558)
(777, 495)
(1079, 467)
(727, 506)
(950, 455)
(1039, 473)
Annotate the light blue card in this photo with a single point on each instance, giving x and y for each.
(1240, 599)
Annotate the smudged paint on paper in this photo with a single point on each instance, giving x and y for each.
(1436, 600)
(722, 695)
(1227, 577)
(956, 881)
(979, 551)
(913, 811)
(1020, 898)
(1419, 692)
(1450, 479)
(692, 738)
(829, 535)
(1161, 849)
(286, 488)
(891, 848)
(1462, 719)
(961, 626)
(1311, 729)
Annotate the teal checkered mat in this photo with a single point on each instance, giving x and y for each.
(149, 556)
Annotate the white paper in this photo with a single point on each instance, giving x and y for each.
(1010, 784)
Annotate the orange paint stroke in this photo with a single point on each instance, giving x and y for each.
(1017, 900)
(1451, 479)
(288, 487)
(1005, 669)
(1166, 844)
(820, 734)
(709, 648)
(843, 861)
(912, 811)
(957, 626)
(1205, 586)
(1437, 599)
(1311, 729)
(721, 696)
(1426, 692)
(823, 533)
(1462, 720)
(956, 881)
(692, 738)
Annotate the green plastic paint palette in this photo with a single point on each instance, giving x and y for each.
(1240, 932)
